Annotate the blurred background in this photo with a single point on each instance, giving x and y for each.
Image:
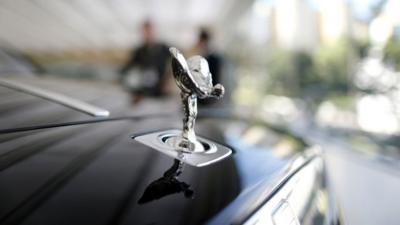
(323, 68)
(334, 62)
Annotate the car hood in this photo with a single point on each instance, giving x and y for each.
(97, 174)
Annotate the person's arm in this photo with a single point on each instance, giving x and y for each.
(132, 61)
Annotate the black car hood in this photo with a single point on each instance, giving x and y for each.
(57, 170)
(97, 174)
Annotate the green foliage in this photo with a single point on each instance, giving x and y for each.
(344, 102)
(312, 76)
(281, 74)
(332, 65)
(392, 52)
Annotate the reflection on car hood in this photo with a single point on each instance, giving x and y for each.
(97, 174)
(94, 174)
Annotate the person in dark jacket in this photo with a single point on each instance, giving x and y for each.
(215, 60)
(144, 72)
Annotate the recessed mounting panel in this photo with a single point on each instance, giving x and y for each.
(161, 141)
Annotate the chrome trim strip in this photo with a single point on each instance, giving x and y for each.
(56, 97)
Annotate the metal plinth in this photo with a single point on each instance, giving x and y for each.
(164, 141)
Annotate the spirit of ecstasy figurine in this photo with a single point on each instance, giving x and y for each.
(194, 79)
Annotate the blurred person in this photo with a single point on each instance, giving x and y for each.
(203, 47)
(144, 72)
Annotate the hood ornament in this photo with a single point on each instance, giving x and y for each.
(194, 79)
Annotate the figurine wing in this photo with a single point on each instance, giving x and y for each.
(181, 71)
(179, 57)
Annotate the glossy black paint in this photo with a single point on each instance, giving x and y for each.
(94, 173)
(166, 185)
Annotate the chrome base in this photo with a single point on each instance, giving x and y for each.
(165, 142)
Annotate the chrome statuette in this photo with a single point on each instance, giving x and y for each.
(194, 79)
